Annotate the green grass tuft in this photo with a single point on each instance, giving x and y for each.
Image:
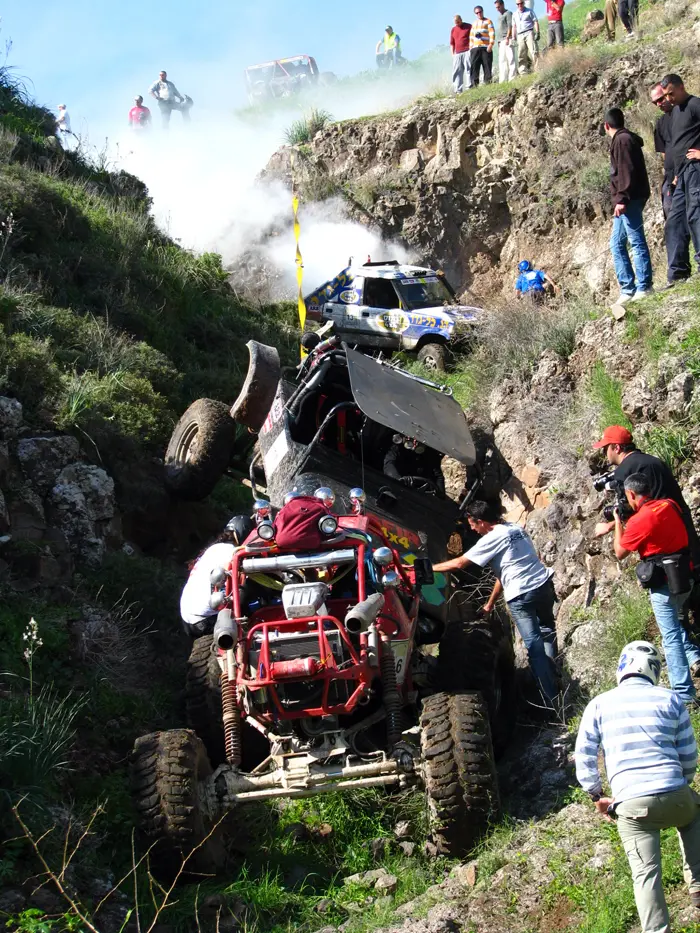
(606, 393)
(305, 128)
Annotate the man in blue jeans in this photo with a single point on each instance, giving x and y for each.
(656, 529)
(629, 192)
(524, 581)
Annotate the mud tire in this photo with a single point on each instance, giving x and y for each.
(200, 449)
(165, 770)
(459, 771)
(203, 698)
(433, 356)
(255, 399)
(478, 655)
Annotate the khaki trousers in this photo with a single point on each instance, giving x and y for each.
(640, 822)
(610, 18)
(527, 52)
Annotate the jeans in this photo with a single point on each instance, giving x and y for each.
(629, 227)
(528, 52)
(507, 65)
(639, 822)
(480, 58)
(166, 107)
(533, 613)
(460, 70)
(628, 10)
(555, 34)
(679, 649)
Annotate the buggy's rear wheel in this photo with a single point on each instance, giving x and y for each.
(200, 449)
(166, 768)
(459, 770)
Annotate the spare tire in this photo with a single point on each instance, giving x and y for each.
(257, 394)
(200, 449)
(166, 768)
(459, 771)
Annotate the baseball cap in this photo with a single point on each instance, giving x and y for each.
(615, 434)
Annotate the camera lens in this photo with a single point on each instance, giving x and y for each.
(609, 513)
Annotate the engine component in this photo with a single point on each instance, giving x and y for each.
(232, 722)
(304, 599)
(360, 617)
(225, 630)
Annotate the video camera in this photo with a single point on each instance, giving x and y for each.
(607, 481)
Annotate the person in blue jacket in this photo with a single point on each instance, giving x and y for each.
(533, 282)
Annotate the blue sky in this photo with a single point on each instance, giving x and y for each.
(95, 56)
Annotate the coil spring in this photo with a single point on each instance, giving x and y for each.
(392, 699)
(232, 722)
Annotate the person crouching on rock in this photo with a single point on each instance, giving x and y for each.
(650, 754)
(524, 581)
(195, 610)
(535, 283)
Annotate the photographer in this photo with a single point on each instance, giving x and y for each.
(622, 454)
(657, 531)
(524, 581)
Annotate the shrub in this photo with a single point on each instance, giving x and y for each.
(671, 443)
(305, 128)
(606, 394)
(28, 371)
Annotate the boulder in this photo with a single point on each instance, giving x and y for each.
(411, 160)
(386, 885)
(10, 416)
(27, 518)
(43, 458)
(96, 486)
(678, 394)
(68, 510)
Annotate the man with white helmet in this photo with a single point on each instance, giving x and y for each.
(650, 754)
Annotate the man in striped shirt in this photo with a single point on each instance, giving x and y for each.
(650, 755)
(482, 39)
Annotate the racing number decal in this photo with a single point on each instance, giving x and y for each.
(400, 649)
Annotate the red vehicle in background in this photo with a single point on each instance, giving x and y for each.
(284, 77)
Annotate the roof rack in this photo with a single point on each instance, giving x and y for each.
(383, 262)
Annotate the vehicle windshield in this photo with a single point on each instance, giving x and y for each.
(426, 291)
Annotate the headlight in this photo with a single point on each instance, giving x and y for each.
(217, 600)
(357, 497)
(326, 495)
(391, 579)
(328, 524)
(261, 507)
(290, 495)
(217, 576)
(383, 556)
(266, 530)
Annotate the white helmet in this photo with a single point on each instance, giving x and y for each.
(641, 659)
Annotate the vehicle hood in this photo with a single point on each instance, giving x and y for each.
(457, 312)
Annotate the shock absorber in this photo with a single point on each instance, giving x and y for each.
(232, 721)
(392, 698)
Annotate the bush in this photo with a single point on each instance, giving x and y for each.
(305, 128)
(606, 394)
(28, 371)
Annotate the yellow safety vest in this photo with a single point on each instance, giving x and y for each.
(390, 42)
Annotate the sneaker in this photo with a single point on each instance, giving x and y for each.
(642, 293)
(623, 298)
(629, 36)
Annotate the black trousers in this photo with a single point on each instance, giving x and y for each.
(627, 11)
(683, 223)
(667, 190)
(478, 59)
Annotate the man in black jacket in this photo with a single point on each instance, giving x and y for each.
(683, 222)
(629, 192)
(662, 144)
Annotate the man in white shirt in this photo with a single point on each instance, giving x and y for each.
(526, 32)
(650, 754)
(169, 98)
(524, 581)
(63, 126)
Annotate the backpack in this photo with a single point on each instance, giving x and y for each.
(296, 524)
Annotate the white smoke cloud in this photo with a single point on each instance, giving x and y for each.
(202, 178)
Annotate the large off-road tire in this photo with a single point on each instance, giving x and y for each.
(165, 770)
(200, 449)
(478, 655)
(255, 399)
(459, 770)
(203, 698)
(433, 356)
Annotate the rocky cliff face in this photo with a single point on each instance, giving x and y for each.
(473, 188)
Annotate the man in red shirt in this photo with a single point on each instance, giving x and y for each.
(655, 529)
(555, 26)
(139, 116)
(459, 43)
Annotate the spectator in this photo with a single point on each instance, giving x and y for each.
(628, 11)
(533, 282)
(610, 19)
(683, 221)
(526, 32)
(524, 581)
(63, 130)
(459, 43)
(482, 39)
(169, 98)
(139, 116)
(388, 49)
(555, 26)
(507, 66)
(629, 192)
(662, 142)
(621, 453)
(657, 531)
(650, 757)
